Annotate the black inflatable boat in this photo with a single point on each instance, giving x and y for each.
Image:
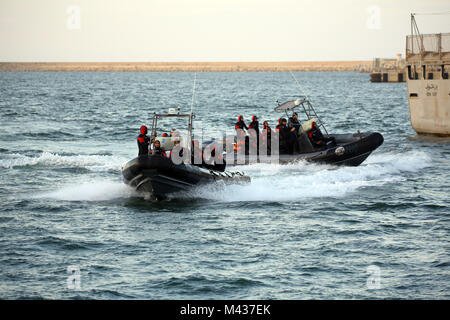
(349, 150)
(158, 176)
(346, 149)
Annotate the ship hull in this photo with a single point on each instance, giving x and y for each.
(429, 106)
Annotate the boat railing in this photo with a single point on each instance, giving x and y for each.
(306, 106)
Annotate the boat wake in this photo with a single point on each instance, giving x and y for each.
(269, 182)
(306, 180)
(95, 163)
(100, 190)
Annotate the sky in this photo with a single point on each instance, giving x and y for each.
(211, 30)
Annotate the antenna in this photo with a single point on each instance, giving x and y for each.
(298, 84)
(193, 92)
(311, 111)
(415, 28)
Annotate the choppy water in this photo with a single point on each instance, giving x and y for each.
(296, 232)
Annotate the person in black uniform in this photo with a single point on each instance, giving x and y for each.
(295, 122)
(240, 124)
(254, 124)
(317, 138)
(278, 125)
(241, 137)
(143, 142)
(157, 149)
(286, 137)
(266, 136)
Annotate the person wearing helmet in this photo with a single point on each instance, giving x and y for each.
(317, 138)
(241, 138)
(254, 135)
(143, 141)
(278, 125)
(266, 136)
(254, 124)
(266, 126)
(240, 124)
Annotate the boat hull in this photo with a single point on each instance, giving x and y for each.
(159, 177)
(350, 150)
(429, 106)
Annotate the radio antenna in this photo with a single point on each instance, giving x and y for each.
(193, 92)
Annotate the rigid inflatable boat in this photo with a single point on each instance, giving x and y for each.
(347, 149)
(158, 176)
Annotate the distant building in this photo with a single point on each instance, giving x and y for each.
(388, 70)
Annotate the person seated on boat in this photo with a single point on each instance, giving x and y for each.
(197, 153)
(165, 135)
(143, 141)
(317, 138)
(254, 124)
(176, 143)
(295, 122)
(157, 150)
(174, 133)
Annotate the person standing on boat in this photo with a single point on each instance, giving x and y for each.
(254, 124)
(254, 135)
(287, 138)
(176, 146)
(143, 141)
(240, 124)
(278, 125)
(266, 135)
(240, 133)
(295, 122)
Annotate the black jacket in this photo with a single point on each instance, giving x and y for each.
(316, 136)
(254, 125)
(240, 125)
(143, 142)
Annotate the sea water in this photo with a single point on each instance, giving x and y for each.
(70, 228)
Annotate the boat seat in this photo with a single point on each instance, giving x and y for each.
(307, 124)
(303, 143)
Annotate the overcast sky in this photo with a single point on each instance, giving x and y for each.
(211, 30)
